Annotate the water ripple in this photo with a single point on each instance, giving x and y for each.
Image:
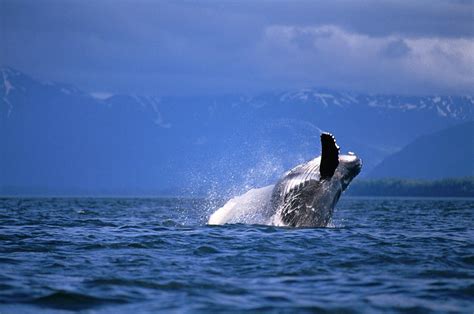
(157, 255)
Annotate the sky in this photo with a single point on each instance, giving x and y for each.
(215, 47)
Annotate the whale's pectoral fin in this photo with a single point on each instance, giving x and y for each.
(329, 156)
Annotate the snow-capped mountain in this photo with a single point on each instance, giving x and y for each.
(457, 107)
(54, 135)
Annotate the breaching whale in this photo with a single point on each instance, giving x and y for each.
(305, 196)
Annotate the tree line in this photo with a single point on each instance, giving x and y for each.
(450, 187)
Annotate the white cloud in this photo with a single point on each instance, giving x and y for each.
(331, 56)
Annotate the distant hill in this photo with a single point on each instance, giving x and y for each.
(58, 139)
(444, 154)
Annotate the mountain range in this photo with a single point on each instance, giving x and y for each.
(58, 139)
(443, 154)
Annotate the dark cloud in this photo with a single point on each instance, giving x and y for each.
(170, 47)
(396, 49)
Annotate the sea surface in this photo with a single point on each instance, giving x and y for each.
(98, 255)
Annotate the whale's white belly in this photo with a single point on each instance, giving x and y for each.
(253, 207)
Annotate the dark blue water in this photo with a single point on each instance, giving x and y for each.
(158, 255)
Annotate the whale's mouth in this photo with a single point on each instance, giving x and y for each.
(357, 167)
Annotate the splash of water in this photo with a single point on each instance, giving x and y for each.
(247, 200)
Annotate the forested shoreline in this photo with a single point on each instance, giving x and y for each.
(450, 187)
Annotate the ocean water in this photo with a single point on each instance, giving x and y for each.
(159, 255)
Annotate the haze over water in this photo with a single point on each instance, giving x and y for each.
(155, 255)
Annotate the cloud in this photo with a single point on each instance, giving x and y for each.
(396, 48)
(328, 55)
(176, 47)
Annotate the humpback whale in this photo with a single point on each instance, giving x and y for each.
(305, 196)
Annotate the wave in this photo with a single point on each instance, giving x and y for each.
(67, 300)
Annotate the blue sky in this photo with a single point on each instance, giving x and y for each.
(213, 47)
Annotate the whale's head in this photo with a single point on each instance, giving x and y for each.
(349, 167)
(336, 173)
(308, 194)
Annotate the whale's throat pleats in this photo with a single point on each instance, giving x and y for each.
(296, 210)
(329, 156)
